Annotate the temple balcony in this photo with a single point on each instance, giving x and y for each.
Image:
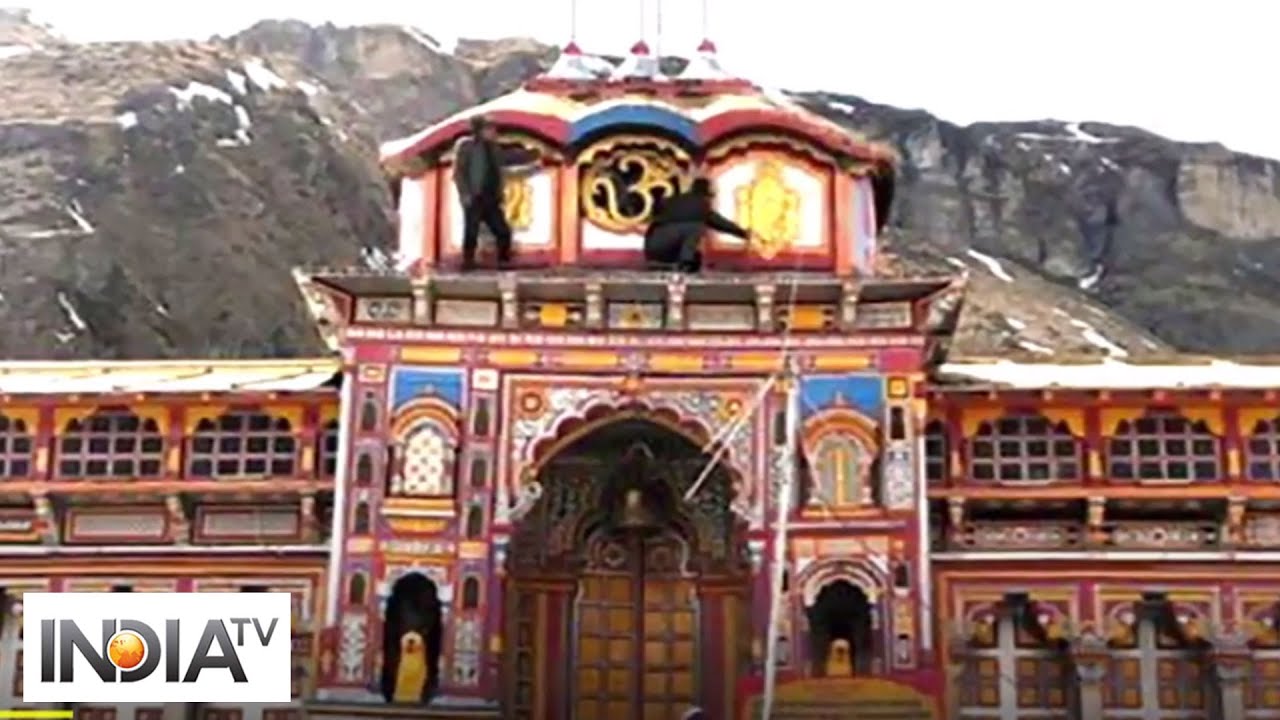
(571, 300)
(167, 453)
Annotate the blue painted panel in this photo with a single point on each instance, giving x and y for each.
(408, 383)
(864, 393)
(641, 115)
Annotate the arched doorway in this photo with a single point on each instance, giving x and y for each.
(624, 600)
(411, 635)
(840, 631)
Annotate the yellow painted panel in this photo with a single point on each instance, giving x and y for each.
(842, 362)
(513, 358)
(756, 361)
(676, 363)
(589, 359)
(431, 355)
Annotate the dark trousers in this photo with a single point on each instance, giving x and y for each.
(675, 244)
(486, 209)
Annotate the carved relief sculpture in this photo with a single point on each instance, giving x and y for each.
(771, 208)
(624, 178)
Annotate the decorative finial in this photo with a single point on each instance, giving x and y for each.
(640, 64)
(704, 65)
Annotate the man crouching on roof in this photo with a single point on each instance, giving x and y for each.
(675, 234)
(479, 173)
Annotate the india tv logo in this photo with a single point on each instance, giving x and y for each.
(157, 647)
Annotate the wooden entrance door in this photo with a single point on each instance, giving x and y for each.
(636, 643)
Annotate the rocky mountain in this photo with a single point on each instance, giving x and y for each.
(153, 198)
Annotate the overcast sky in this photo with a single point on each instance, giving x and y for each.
(1192, 69)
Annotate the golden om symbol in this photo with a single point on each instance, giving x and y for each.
(625, 179)
(771, 208)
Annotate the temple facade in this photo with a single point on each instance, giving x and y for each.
(580, 490)
(167, 477)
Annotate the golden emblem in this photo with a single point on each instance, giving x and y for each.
(624, 177)
(517, 203)
(771, 208)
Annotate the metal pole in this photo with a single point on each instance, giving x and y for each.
(777, 601)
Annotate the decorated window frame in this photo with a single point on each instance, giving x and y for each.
(110, 442)
(1163, 446)
(842, 451)
(246, 442)
(17, 447)
(425, 451)
(1262, 449)
(1024, 447)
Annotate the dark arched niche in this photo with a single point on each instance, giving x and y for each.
(413, 617)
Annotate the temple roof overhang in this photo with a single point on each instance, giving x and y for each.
(168, 377)
(566, 114)
(1108, 374)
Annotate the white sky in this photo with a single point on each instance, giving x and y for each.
(1195, 70)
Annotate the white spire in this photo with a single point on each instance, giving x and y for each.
(705, 65)
(639, 64)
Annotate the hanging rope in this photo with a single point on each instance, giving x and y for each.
(781, 527)
(573, 21)
(657, 42)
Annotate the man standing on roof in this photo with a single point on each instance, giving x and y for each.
(479, 175)
(675, 234)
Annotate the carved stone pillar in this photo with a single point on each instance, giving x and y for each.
(1233, 533)
(46, 519)
(421, 301)
(595, 309)
(1089, 655)
(849, 291)
(510, 302)
(1096, 533)
(179, 524)
(765, 308)
(307, 519)
(955, 528)
(1229, 659)
(675, 304)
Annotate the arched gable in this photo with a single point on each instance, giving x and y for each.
(860, 572)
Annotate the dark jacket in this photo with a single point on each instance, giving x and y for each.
(690, 208)
(477, 168)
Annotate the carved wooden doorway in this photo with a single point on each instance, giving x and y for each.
(637, 629)
(610, 571)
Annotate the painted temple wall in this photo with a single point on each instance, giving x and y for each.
(809, 215)
(859, 526)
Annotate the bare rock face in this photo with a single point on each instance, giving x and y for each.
(1229, 194)
(154, 197)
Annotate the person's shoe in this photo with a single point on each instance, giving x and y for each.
(468, 264)
(504, 262)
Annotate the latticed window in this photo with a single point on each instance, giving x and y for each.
(936, 459)
(1263, 450)
(1024, 448)
(329, 449)
(111, 443)
(15, 448)
(243, 444)
(1163, 446)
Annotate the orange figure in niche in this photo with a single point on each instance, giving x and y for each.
(839, 659)
(411, 673)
